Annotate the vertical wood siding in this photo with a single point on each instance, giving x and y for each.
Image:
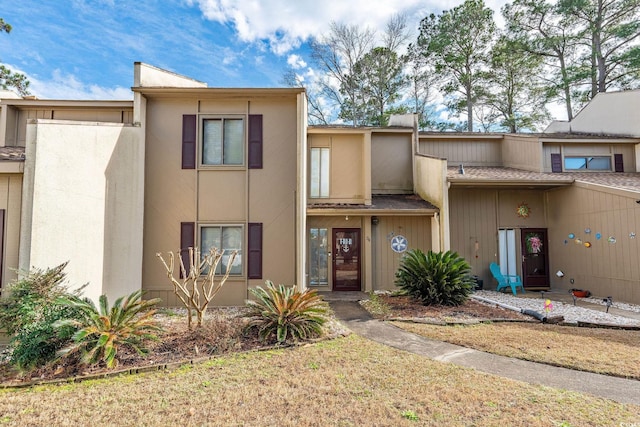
(468, 152)
(386, 262)
(604, 268)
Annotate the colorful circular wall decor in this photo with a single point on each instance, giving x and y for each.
(587, 244)
(523, 210)
(572, 236)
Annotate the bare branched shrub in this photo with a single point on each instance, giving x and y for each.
(196, 286)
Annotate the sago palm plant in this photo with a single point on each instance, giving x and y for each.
(102, 330)
(285, 313)
(435, 278)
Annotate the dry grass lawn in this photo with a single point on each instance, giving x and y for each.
(604, 351)
(344, 382)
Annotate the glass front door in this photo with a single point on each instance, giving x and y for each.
(346, 259)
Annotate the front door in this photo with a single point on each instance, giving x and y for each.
(535, 258)
(346, 259)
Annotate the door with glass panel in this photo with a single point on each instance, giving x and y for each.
(346, 259)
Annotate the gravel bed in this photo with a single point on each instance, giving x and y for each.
(571, 313)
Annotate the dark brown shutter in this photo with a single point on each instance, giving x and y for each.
(189, 141)
(618, 163)
(255, 141)
(254, 262)
(187, 240)
(556, 162)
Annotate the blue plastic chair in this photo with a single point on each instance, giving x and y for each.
(505, 280)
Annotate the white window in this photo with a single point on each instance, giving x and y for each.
(319, 172)
(227, 238)
(223, 141)
(600, 163)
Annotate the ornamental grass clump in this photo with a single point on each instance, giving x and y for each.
(284, 314)
(28, 314)
(435, 278)
(102, 330)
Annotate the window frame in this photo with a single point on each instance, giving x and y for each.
(587, 159)
(241, 251)
(321, 173)
(202, 118)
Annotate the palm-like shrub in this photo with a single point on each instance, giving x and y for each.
(102, 330)
(285, 313)
(435, 278)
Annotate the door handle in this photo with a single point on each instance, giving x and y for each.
(523, 258)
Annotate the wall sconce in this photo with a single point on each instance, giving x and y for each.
(375, 220)
(559, 273)
(346, 217)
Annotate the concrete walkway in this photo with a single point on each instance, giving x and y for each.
(356, 318)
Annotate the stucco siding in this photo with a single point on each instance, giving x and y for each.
(391, 164)
(86, 205)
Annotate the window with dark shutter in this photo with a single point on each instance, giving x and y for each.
(556, 162)
(189, 136)
(187, 237)
(618, 163)
(254, 262)
(255, 141)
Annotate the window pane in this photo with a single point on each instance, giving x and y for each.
(319, 172)
(212, 142)
(599, 163)
(318, 257)
(233, 141)
(575, 163)
(223, 238)
(315, 173)
(232, 240)
(324, 172)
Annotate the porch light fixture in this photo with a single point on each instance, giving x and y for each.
(559, 273)
(375, 220)
(346, 218)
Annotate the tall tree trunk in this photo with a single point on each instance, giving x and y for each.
(565, 87)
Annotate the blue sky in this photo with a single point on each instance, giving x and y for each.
(85, 49)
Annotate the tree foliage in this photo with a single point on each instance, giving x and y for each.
(515, 93)
(459, 40)
(10, 79)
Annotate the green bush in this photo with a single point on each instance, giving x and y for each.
(283, 313)
(101, 331)
(437, 278)
(28, 315)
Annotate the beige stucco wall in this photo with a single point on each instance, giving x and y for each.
(521, 152)
(83, 198)
(10, 201)
(347, 167)
(391, 164)
(476, 215)
(431, 184)
(605, 269)
(612, 113)
(221, 195)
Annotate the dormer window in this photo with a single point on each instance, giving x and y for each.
(588, 163)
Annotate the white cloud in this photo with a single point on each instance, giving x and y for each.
(68, 86)
(286, 24)
(296, 62)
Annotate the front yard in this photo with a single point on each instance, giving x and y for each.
(347, 382)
